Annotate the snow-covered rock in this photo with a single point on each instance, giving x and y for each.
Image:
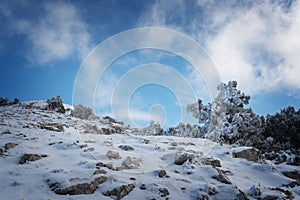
(248, 153)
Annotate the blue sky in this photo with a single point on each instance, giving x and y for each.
(43, 44)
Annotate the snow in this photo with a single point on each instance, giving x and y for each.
(74, 153)
(240, 149)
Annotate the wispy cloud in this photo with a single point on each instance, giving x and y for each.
(56, 33)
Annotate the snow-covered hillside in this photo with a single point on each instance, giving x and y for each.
(47, 154)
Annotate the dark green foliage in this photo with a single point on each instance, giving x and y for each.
(4, 101)
(284, 127)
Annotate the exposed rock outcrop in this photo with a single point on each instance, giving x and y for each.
(126, 147)
(9, 145)
(120, 192)
(250, 154)
(30, 157)
(83, 188)
(56, 104)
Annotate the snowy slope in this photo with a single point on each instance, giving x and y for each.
(138, 167)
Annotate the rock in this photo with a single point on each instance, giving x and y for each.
(56, 105)
(174, 144)
(270, 197)
(10, 145)
(51, 127)
(293, 175)
(130, 163)
(113, 155)
(254, 191)
(99, 171)
(126, 147)
(164, 192)
(101, 164)
(54, 186)
(222, 177)
(83, 188)
(112, 120)
(105, 131)
(288, 194)
(145, 141)
(250, 154)
(89, 149)
(6, 132)
(295, 161)
(83, 146)
(15, 183)
(1, 151)
(143, 187)
(211, 161)
(162, 173)
(182, 159)
(30, 157)
(241, 195)
(120, 192)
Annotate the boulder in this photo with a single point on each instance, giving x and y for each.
(222, 177)
(51, 127)
(126, 147)
(99, 171)
(293, 175)
(130, 163)
(30, 157)
(164, 192)
(248, 153)
(182, 158)
(212, 162)
(120, 192)
(83, 188)
(9, 146)
(113, 155)
(162, 173)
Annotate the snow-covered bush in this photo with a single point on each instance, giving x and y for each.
(83, 112)
(186, 130)
(4, 101)
(15, 101)
(153, 129)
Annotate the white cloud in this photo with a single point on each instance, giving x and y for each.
(57, 33)
(241, 47)
(256, 44)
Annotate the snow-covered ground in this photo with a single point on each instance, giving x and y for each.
(75, 151)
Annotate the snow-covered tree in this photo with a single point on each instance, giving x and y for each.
(226, 119)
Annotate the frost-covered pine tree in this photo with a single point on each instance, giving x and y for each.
(226, 119)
